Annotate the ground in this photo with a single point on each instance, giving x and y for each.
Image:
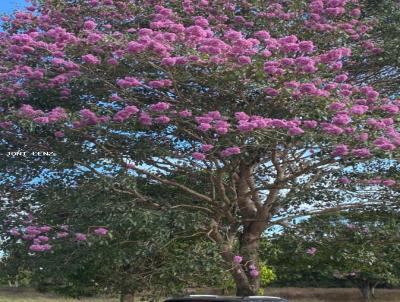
(293, 294)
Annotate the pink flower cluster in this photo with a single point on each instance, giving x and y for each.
(125, 113)
(311, 251)
(160, 106)
(230, 151)
(160, 83)
(253, 272)
(91, 59)
(38, 116)
(237, 259)
(88, 117)
(40, 247)
(128, 82)
(101, 231)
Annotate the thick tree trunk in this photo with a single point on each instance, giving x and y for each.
(127, 297)
(246, 284)
(365, 289)
(254, 223)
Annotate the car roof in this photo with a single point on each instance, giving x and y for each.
(206, 298)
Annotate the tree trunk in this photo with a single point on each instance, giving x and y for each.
(127, 297)
(246, 284)
(372, 289)
(365, 289)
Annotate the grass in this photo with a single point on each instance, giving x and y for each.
(331, 294)
(292, 294)
(27, 295)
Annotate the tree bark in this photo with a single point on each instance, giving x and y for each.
(365, 289)
(372, 289)
(254, 224)
(127, 297)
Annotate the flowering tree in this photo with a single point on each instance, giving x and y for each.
(248, 97)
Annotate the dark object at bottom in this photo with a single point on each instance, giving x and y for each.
(214, 298)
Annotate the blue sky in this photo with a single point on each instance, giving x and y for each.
(7, 6)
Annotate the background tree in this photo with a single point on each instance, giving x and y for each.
(151, 252)
(358, 247)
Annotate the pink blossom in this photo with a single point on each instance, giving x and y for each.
(93, 38)
(204, 127)
(185, 113)
(244, 60)
(59, 134)
(128, 82)
(331, 129)
(237, 259)
(337, 106)
(214, 115)
(89, 116)
(393, 109)
(230, 151)
(163, 119)
(125, 113)
(62, 234)
(160, 83)
(145, 119)
(241, 116)
(341, 78)
(310, 124)
(384, 143)
(361, 152)
(340, 150)
(311, 251)
(262, 35)
(363, 137)
(80, 237)
(40, 248)
(198, 155)
(206, 147)
(29, 112)
(306, 46)
(341, 119)
(351, 226)
(32, 230)
(160, 106)
(43, 238)
(271, 91)
(344, 180)
(101, 231)
(136, 47)
(91, 59)
(45, 228)
(295, 131)
(41, 120)
(389, 182)
(89, 25)
(359, 109)
(64, 227)
(254, 273)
